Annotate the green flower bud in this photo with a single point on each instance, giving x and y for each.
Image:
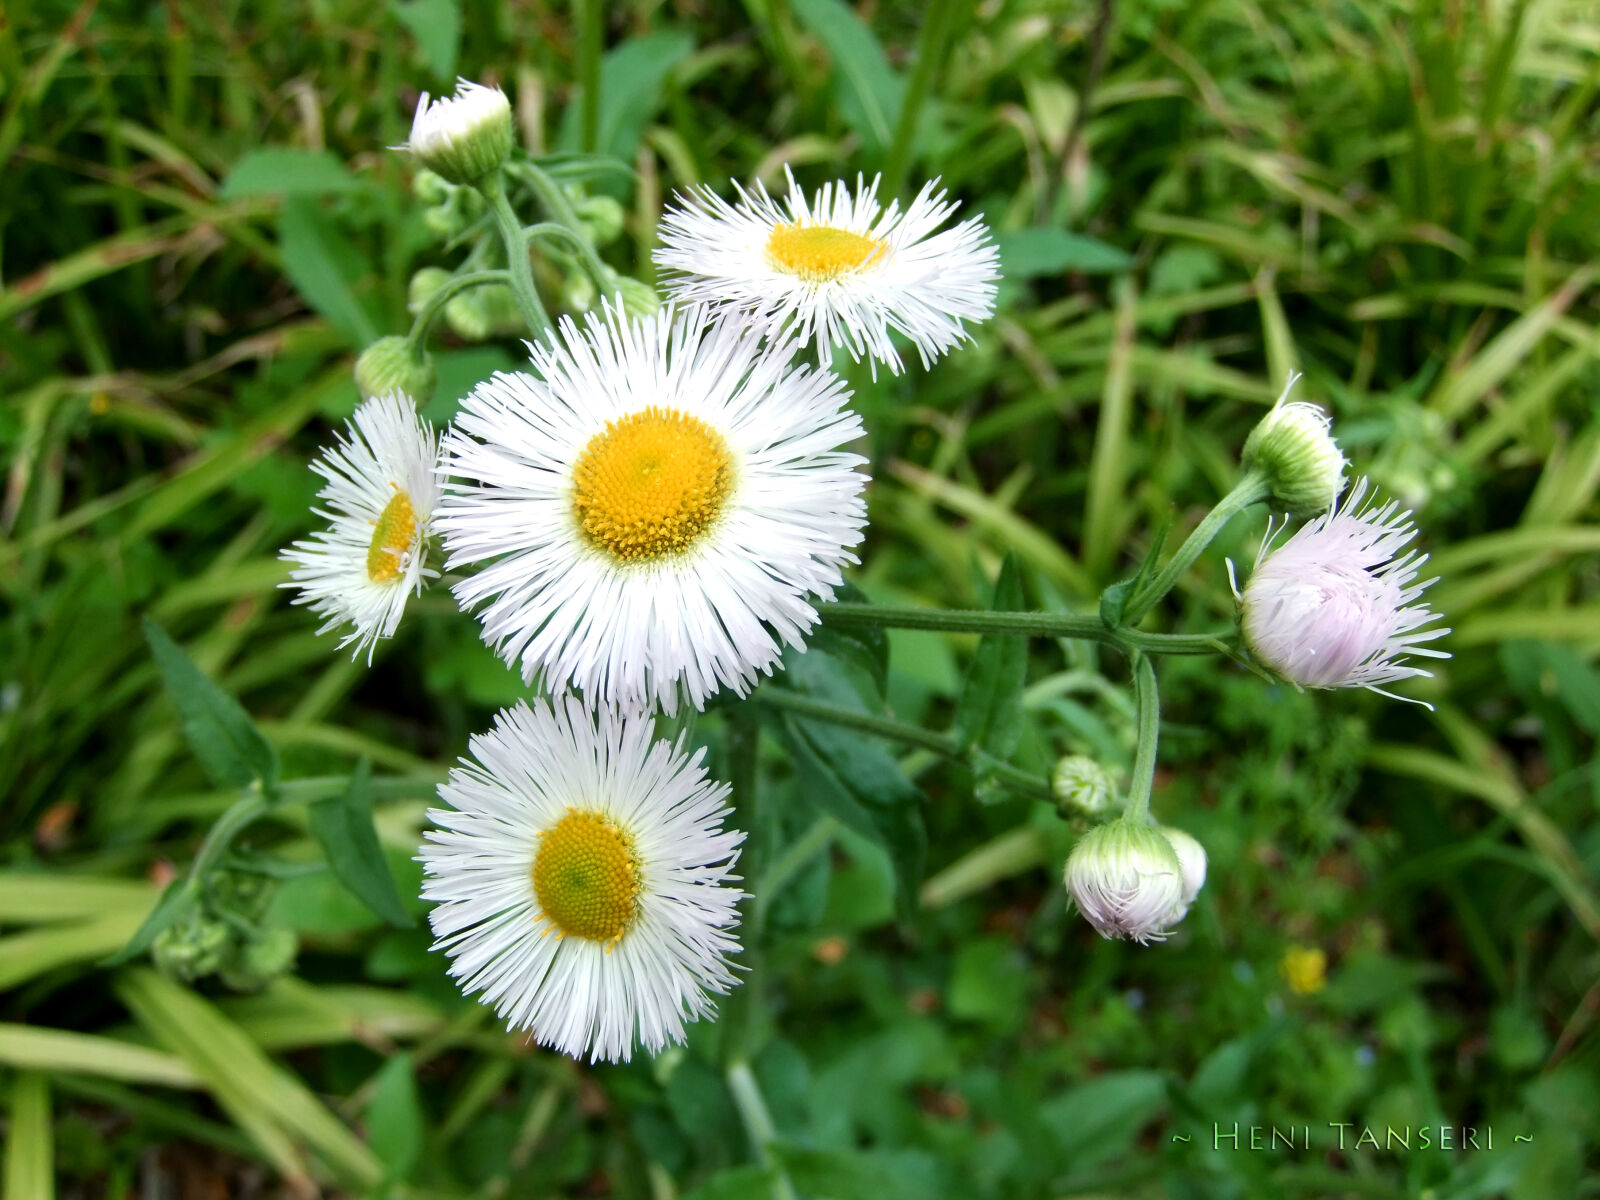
(261, 960)
(424, 284)
(1082, 787)
(639, 299)
(484, 312)
(1293, 448)
(393, 364)
(431, 188)
(465, 137)
(195, 946)
(578, 293)
(601, 216)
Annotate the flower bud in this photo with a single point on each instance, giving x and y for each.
(1082, 787)
(1126, 880)
(601, 216)
(465, 137)
(261, 960)
(430, 188)
(393, 364)
(1191, 867)
(424, 284)
(193, 947)
(1293, 448)
(639, 299)
(483, 312)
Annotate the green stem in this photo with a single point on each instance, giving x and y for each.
(1031, 624)
(447, 290)
(244, 812)
(586, 20)
(1144, 758)
(1251, 488)
(930, 56)
(522, 287)
(790, 863)
(885, 727)
(559, 209)
(746, 1093)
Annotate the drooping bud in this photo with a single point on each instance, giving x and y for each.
(1126, 880)
(1292, 447)
(261, 960)
(484, 312)
(394, 364)
(465, 137)
(193, 947)
(423, 286)
(639, 299)
(1082, 787)
(601, 216)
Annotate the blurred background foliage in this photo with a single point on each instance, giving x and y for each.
(201, 226)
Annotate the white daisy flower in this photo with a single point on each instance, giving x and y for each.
(1333, 607)
(842, 271)
(652, 509)
(581, 880)
(382, 488)
(463, 137)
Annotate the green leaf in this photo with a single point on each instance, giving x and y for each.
(343, 824)
(734, 1183)
(989, 712)
(853, 777)
(631, 79)
(287, 171)
(174, 902)
(30, 1140)
(1025, 253)
(395, 1125)
(436, 24)
(861, 1175)
(220, 732)
(1098, 1120)
(868, 91)
(866, 648)
(326, 268)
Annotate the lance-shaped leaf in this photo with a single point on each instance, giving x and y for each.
(220, 732)
(343, 824)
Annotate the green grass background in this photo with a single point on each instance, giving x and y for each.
(202, 225)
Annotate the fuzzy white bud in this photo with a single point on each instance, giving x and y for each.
(1191, 867)
(1126, 880)
(1083, 787)
(466, 136)
(1333, 607)
(1292, 447)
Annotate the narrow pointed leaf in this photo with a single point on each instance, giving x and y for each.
(343, 824)
(220, 732)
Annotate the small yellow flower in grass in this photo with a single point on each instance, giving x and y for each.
(381, 492)
(838, 270)
(1304, 968)
(581, 875)
(653, 508)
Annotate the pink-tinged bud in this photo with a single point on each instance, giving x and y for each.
(1126, 880)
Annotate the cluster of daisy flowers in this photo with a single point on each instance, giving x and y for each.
(647, 516)
(650, 514)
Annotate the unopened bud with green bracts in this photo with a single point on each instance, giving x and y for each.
(1292, 448)
(395, 364)
(1126, 880)
(1082, 787)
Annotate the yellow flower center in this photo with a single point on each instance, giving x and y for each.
(391, 539)
(586, 877)
(819, 253)
(651, 484)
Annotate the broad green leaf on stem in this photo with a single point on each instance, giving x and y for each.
(35, 1047)
(1026, 253)
(395, 1127)
(865, 647)
(853, 777)
(862, 1174)
(869, 93)
(220, 732)
(30, 1140)
(436, 24)
(174, 902)
(989, 713)
(326, 268)
(287, 171)
(631, 78)
(343, 825)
